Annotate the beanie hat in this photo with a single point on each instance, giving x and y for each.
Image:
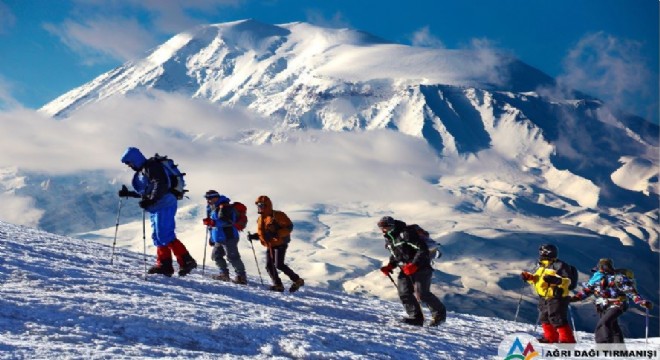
(386, 222)
(211, 194)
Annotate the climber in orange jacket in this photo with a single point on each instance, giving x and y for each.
(274, 232)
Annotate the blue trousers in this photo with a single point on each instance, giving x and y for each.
(163, 224)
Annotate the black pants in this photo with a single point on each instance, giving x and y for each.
(554, 311)
(607, 328)
(418, 285)
(275, 261)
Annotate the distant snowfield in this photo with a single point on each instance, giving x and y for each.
(637, 175)
(60, 297)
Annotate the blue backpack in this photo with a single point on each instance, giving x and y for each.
(174, 175)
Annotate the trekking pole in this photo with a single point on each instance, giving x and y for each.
(206, 240)
(255, 260)
(536, 325)
(575, 334)
(392, 280)
(522, 289)
(144, 242)
(114, 242)
(647, 325)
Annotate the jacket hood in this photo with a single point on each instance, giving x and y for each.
(267, 209)
(220, 200)
(133, 158)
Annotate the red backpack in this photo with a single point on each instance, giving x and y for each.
(241, 217)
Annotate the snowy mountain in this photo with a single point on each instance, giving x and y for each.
(61, 296)
(302, 73)
(339, 128)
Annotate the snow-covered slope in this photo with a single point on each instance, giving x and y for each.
(60, 297)
(339, 128)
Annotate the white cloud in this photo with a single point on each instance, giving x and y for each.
(118, 38)
(314, 167)
(99, 29)
(7, 101)
(175, 16)
(490, 59)
(612, 69)
(424, 38)
(336, 21)
(166, 16)
(7, 18)
(19, 210)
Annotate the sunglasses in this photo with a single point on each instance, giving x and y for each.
(260, 204)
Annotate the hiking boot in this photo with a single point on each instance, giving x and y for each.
(240, 279)
(416, 321)
(437, 320)
(296, 285)
(278, 288)
(188, 265)
(164, 268)
(221, 277)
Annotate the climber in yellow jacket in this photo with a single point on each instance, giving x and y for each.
(551, 281)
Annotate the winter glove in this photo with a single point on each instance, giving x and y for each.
(253, 237)
(211, 243)
(387, 269)
(552, 280)
(647, 304)
(146, 202)
(409, 269)
(208, 222)
(525, 276)
(124, 192)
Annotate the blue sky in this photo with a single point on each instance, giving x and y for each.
(606, 48)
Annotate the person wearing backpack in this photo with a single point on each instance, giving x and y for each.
(152, 186)
(411, 254)
(612, 288)
(220, 219)
(551, 282)
(274, 232)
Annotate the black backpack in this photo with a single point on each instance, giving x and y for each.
(573, 275)
(175, 176)
(434, 247)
